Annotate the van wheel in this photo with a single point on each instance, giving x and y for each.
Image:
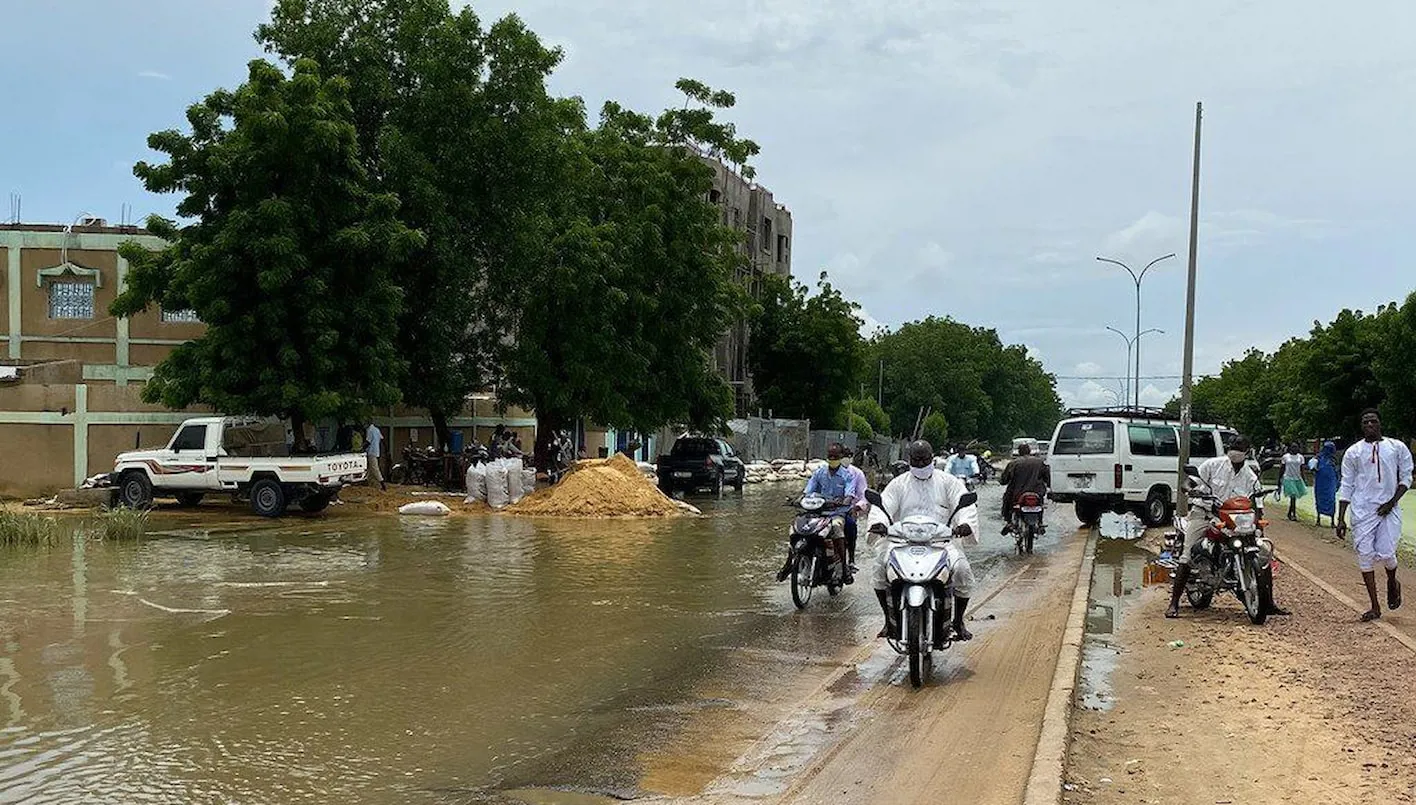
(1156, 512)
(268, 498)
(135, 491)
(1089, 513)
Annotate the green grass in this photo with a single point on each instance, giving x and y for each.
(119, 525)
(27, 529)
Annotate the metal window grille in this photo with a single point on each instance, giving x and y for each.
(70, 300)
(180, 316)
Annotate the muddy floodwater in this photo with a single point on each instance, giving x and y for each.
(384, 660)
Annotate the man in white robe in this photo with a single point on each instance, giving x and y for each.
(1376, 472)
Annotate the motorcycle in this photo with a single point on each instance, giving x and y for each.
(1027, 521)
(814, 559)
(919, 575)
(1231, 555)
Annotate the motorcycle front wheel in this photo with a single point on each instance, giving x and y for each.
(803, 574)
(1255, 601)
(914, 637)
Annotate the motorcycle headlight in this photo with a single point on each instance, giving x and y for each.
(1238, 543)
(919, 532)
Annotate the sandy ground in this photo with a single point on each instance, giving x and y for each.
(1309, 708)
(968, 736)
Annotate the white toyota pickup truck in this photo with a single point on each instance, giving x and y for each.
(226, 455)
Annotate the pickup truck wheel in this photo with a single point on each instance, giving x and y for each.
(135, 491)
(315, 503)
(268, 498)
(189, 499)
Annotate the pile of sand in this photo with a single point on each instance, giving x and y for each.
(613, 487)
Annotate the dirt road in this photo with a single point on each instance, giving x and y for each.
(1310, 708)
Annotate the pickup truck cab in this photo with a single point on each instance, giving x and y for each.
(226, 455)
(698, 462)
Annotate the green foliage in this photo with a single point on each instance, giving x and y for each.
(24, 529)
(119, 525)
(868, 408)
(805, 350)
(984, 389)
(861, 427)
(288, 259)
(1318, 385)
(618, 323)
(456, 120)
(935, 430)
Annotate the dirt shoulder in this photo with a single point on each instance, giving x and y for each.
(1308, 708)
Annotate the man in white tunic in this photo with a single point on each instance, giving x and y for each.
(927, 492)
(1376, 472)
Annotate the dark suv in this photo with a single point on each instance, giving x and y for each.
(700, 462)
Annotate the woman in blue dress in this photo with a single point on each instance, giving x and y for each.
(1325, 483)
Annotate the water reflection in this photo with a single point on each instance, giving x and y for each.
(1121, 570)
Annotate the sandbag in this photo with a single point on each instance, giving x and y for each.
(476, 484)
(514, 489)
(425, 508)
(528, 480)
(497, 495)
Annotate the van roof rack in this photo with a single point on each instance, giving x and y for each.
(1125, 412)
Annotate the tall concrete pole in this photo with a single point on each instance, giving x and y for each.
(1187, 381)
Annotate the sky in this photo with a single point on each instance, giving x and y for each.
(964, 159)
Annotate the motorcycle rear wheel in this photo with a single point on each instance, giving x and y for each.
(803, 574)
(1029, 536)
(1200, 600)
(914, 637)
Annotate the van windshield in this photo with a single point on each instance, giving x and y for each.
(1083, 438)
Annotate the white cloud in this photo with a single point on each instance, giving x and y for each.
(154, 74)
(868, 323)
(1089, 368)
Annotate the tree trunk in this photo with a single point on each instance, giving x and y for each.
(441, 433)
(297, 425)
(546, 427)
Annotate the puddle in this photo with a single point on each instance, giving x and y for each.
(1122, 569)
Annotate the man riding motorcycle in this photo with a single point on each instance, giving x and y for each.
(1026, 473)
(859, 511)
(933, 493)
(835, 481)
(962, 465)
(1224, 477)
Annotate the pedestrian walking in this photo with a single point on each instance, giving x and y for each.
(1376, 472)
(373, 450)
(1325, 478)
(1295, 484)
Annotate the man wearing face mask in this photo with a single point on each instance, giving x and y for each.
(860, 510)
(928, 492)
(835, 481)
(1227, 476)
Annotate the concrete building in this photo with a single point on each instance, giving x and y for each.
(71, 375)
(766, 227)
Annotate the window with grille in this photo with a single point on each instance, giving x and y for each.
(70, 300)
(180, 316)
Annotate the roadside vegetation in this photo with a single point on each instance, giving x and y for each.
(25, 529)
(119, 525)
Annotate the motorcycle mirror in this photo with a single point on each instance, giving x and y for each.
(969, 499)
(1192, 471)
(874, 498)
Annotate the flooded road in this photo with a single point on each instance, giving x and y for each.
(385, 660)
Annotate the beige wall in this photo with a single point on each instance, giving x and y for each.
(34, 301)
(38, 459)
(105, 442)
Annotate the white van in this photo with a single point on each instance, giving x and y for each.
(1109, 460)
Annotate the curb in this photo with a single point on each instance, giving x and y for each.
(1050, 759)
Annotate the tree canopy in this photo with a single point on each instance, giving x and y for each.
(1317, 386)
(804, 350)
(287, 259)
(982, 388)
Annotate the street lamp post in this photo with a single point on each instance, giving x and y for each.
(1135, 277)
(1130, 344)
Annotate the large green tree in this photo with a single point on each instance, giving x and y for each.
(618, 323)
(285, 253)
(455, 119)
(983, 388)
(804, 350)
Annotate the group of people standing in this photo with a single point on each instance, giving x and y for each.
(1325, 471)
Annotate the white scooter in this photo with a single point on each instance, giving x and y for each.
(921, 592)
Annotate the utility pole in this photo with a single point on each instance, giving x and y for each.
(1182, 498)
(880, 390)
